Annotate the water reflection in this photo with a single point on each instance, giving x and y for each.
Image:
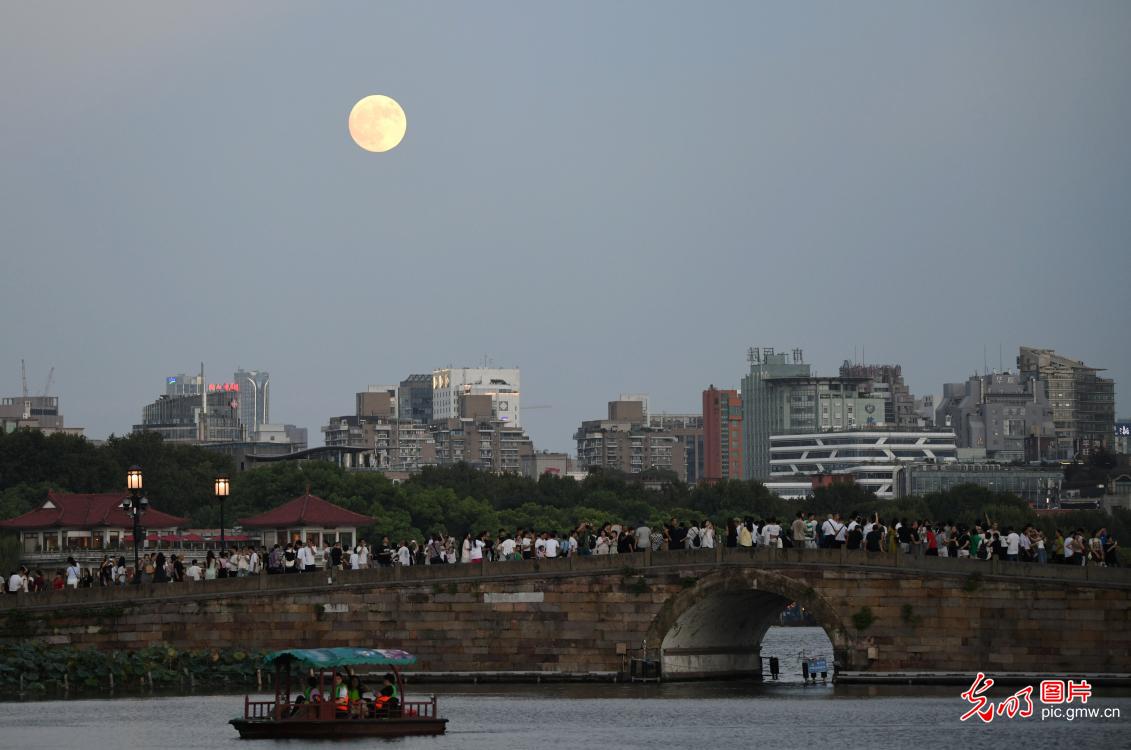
(786, 714)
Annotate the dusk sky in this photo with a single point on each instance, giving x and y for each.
(613, 196)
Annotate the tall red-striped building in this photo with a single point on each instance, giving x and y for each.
(723, 440)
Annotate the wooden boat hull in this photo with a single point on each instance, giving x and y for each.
(261, 729)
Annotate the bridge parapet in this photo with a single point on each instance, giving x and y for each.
(706, 610)
(624, 564)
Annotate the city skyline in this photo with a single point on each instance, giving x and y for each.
(659, 409)
(619, 206)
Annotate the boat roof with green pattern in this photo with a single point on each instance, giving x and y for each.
(326, 658)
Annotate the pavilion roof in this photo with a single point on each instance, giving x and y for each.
(86, 511)
(305, 511)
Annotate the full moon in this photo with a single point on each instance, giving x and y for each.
(377, 123)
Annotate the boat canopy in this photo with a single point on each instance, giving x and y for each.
(342, 657)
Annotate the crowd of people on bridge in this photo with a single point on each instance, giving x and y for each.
(982, 541)
(915, 537)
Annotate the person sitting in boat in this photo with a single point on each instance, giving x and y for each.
(356, 689)
(391, 682)
(312, 695)
(386, 704)
(341, 695)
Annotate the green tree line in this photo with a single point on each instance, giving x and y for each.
(457, 499)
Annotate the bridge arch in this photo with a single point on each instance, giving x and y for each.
(714, 629)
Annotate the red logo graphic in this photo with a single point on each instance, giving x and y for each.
(1018, 704)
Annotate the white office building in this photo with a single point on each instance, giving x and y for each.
(501, 384)
(870, 456)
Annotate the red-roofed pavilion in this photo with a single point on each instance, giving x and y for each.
(83, 521)
(308, 518)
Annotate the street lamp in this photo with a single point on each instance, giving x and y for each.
(134, 506)
(223, 489)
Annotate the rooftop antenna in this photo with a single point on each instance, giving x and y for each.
(985, 361)
(23, 380)
(1000, 361)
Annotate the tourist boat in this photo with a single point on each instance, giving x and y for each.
(290, 716)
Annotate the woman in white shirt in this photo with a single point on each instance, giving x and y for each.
(73, 573)
(120, 572)
(707, 535)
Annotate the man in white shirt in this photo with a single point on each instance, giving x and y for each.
(253, 561)
(404, 556)
(828, 528)
(643, 536)
(1026, 544)
(17, 582)
(771, 533)
(194, 572)
(1012, 545)
(306, 555)
(551, 545)
(506, 548)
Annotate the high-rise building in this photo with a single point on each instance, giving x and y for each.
(781, 396)
(869, 456)
(722, 435)
(415, 394)
(625, 442)
(184, 385)
(688, 429)
(254, 399)
(886, 381)
(1083, 403)
(183, 419)
(34, 413)
(477, 437)
(501, 384)
(377, 402)
(998, 417)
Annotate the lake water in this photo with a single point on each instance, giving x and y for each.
(511, 717)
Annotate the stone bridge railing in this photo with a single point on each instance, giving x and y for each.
(590, 565)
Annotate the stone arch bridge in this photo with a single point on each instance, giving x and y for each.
(704, 612)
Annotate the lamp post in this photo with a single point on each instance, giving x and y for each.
(223, 488)
(135, 505)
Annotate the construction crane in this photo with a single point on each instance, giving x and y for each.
(538, 406)
(50, 377)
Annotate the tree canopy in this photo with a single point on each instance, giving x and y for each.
(459, 498)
